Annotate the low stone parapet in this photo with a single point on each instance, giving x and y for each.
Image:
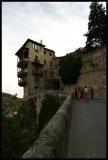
(54, 136)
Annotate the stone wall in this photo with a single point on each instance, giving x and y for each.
(53, 138)
(94, 76)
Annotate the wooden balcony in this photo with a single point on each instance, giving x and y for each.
(21, 51)
(22, 73)
(36, 61)
(23, 63)
(22, 82)
(37, 68)
(37, 72)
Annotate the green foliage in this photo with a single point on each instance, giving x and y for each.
(10, 104)
(70, 67)
(49, 107)
(97, 26)
(18, 133)
(30, 114)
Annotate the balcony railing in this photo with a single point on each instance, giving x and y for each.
(23, 62)
(22, 82)
(22, 73)
(37, 72)
(36, 61)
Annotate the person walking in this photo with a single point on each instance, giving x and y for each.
(92, 92)
(78, 93)
(82, 93)
(86, 93)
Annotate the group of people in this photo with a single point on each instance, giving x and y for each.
(83, 93)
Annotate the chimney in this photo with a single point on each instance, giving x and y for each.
(41, 41)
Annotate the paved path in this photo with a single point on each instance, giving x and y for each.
(88, 130)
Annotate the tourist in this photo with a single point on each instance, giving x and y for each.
(86, 93)
(92, 92)
(82, 93)
(78, 93)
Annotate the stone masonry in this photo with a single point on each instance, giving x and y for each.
(93, 72)
(50, 143)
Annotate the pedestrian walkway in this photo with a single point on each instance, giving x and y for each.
(88, 130)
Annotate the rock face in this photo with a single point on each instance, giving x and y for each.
(53, 137)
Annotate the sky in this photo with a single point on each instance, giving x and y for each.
(60, 26)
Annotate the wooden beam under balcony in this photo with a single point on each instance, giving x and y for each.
(22, 82)
(37, 72)
(23, 63)
(21, 51)
(37, 62)
(22, 73)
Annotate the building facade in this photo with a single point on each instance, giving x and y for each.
(37, 68)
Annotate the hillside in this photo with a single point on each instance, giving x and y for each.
(20, 131)
(10, 104)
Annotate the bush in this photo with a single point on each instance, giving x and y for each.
(49, 107)
(70, 66)
(18, 133)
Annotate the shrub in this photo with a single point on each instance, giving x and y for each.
(49, 107)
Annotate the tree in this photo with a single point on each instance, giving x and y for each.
(96, 35)
(50, 105)
(19, 131)
(70, 66)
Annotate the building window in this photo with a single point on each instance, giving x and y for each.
(36, 57)
(25, 65)
(33, 45)
(50, 63)
(25, 54)
(50, 54)
(45, 72)
(51, 73)
(44, 52)
(55, 66)
(38, 47)
(44, 61)
(36, 80)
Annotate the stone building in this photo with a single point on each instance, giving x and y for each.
(37, 68)
(37, 71)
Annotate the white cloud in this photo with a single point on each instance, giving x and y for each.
(61, 26)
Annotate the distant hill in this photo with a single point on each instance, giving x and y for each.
(10, 104)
